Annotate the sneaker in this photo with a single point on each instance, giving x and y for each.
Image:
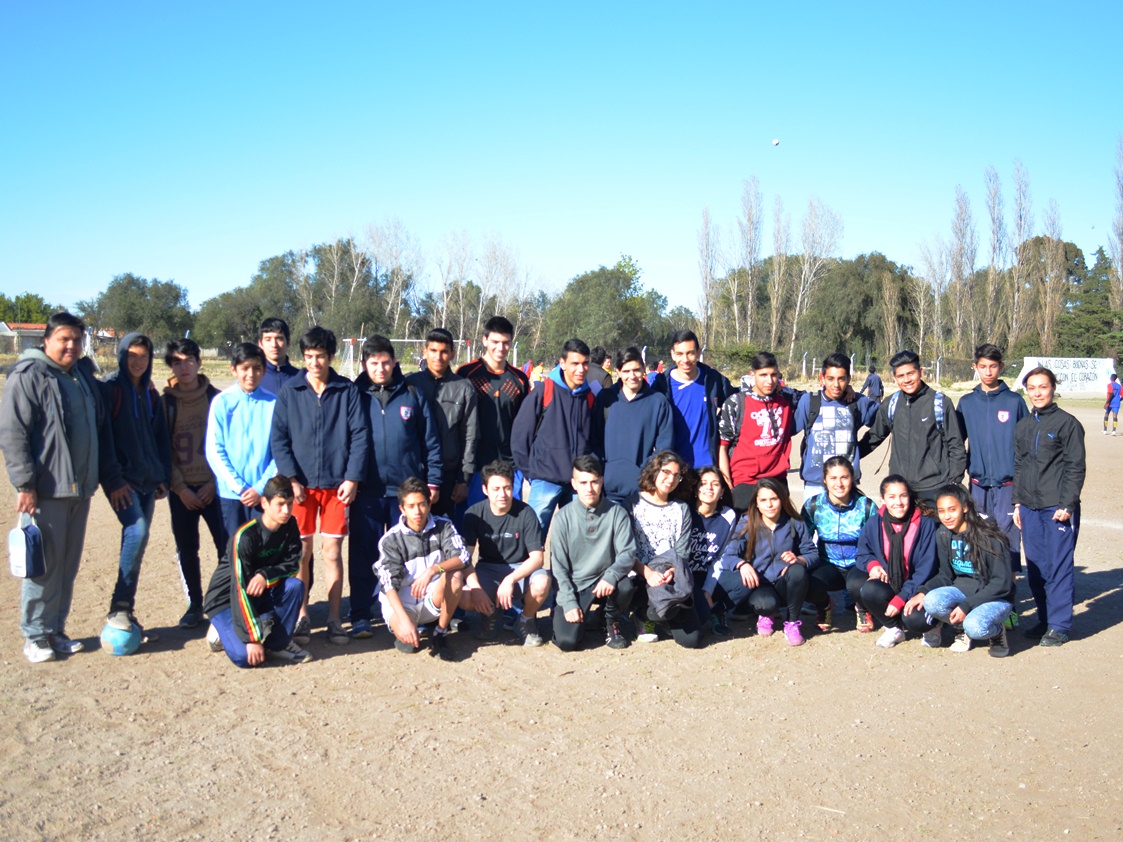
(361, 630)
(63, 645)
(718, 628)
(1105, 431)
(764, 626)
(933, 638)
(999, 645)
(527, 630)
(865, 620)
(336, 634)
(962, 643)
(1053, 638)
(615, 638)
(191, 617)
(38, 651)
(291, 654)
(125, 620)
(438, 647)
(890, 637)
(302, 631)
(1036, 632)
(648, 633)
(489, 625)
(1011, 621)
(792, 633)
(213, 640)
(825, 617)
(403, 647)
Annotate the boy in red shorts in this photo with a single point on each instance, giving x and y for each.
(320, 442)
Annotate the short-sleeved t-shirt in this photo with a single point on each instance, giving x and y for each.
(691, 422)
(502, 539)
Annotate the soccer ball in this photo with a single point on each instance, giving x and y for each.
(115, 641)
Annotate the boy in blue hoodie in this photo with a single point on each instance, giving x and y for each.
(552, 428)
(988, 415)
(140, 435)
(404, 441)
(238, 438)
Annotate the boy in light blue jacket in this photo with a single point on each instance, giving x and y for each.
(238, 438)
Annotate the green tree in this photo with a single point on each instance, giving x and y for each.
(26, 307)
(1084, 329)
(159, 309)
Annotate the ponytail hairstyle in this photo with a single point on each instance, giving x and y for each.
(914, 501)
(756, 520)
(982, 535)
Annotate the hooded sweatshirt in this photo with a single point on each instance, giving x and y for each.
(626, 433)
(546, 440)
(140, 427)
(187, 411)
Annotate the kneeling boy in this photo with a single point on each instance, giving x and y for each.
(509, 567)
(254, 596)
(592, 551)
(418, 567)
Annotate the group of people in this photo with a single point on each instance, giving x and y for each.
(665, 498)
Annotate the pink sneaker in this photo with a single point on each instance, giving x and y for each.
(764, 626)
(791, 632)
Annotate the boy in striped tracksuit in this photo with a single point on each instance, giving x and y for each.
(254, 595)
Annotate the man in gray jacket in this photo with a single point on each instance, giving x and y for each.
(455, 399)
(57, 442)
(592, 554)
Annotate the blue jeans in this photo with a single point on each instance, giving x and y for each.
(981, 623)
(136, 521)
(544, 498)
(185, 530)
(286, 597)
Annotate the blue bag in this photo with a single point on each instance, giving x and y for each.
(25, 549)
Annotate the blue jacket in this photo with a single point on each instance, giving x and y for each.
(718, 388)
(791, 534)
(626, 433)
(140, 427)
(276, 376)
(404, 438)
(988, 420)
(920, 562)
(239, 446)
(320, 441)
(545, 442)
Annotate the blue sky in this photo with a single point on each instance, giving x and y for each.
(189, 142)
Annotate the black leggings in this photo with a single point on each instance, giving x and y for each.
(568, 636)
(767, 598)
(876, 595)
(685, 625)
(831, 578)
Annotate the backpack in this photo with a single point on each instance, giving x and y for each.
(938, 402)
(548, 397)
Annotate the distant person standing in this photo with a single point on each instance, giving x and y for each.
(599, 365)
(873, 387)
(57, 442)
(989, 414)
(697, 393)
(1111, 405)
(1049, 471)
(501, 390)
(273, 339)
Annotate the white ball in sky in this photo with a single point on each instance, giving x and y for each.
(776, 142)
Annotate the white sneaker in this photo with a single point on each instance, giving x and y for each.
(38, 651)
(890, 637)
(933, 637)
(962, 643)
(648, 633)
(213, 640)
(291, 654)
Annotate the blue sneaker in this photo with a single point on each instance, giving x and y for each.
(361, 630)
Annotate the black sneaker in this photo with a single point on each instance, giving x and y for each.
(615, 638)
(1053, 638)
(192, 617)
(999, 645)
(1036, 632)
(438, 647)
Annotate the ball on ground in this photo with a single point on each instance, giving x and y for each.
(117, 641)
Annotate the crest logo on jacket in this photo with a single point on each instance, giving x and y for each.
(406, 411)
(1003, 415)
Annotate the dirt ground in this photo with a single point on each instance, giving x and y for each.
(743, 739)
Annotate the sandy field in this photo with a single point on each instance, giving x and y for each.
(743, 739)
